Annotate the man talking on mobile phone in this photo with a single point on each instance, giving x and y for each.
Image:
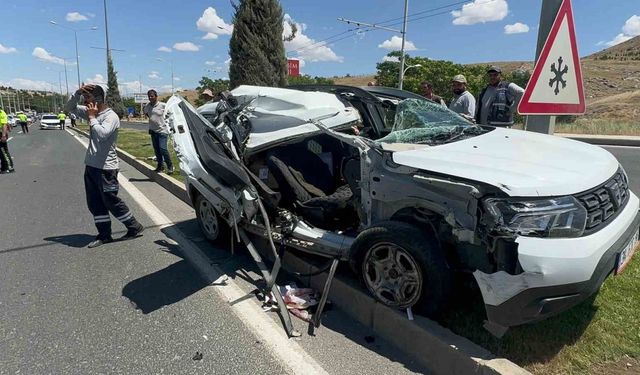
(101, 164)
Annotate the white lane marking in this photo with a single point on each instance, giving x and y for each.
(289, 352)
(617, 146)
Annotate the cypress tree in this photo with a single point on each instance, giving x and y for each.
(256, 47)
(113, 97)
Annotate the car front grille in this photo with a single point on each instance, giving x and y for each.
(605, 202)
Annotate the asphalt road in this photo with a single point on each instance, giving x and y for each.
(137, 307)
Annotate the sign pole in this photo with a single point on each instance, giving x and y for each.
(550, 8)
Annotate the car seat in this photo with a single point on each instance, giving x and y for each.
(307, 187)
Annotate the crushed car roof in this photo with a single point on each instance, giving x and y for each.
(278, 114)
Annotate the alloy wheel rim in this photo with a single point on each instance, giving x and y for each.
(392, 275)
(209, 219)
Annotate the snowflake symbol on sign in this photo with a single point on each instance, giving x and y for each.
(558, 78)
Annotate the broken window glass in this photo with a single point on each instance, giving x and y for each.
(424, 122)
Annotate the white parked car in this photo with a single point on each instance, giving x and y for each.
(418, 197)
(49, 121)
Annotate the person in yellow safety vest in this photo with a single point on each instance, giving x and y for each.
(62, 117)
(24, 122)
(6, 163)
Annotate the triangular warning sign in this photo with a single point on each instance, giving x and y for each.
(555, 87)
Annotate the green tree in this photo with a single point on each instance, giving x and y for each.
(113, 98)
(256, 46)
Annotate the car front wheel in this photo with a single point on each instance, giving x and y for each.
(403, 266)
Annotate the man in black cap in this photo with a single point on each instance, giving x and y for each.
(101, 164)
(498, 101)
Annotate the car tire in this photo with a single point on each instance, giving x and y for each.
(403, 266)
(214, 228)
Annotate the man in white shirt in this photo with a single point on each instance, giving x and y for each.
(463, 102)
(158, 130)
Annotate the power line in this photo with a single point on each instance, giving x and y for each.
(355, 30)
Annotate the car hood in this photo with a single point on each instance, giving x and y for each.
(520, 163)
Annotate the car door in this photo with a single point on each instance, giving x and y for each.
(207, 159)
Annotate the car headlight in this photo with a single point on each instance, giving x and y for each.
(551, 217)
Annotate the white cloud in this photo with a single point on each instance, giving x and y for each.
(27, 84)
(133, 86)
(213, 25)
(516, 28)
(98, 78)
(480, 11)
(620, 38)
(154, 75)
(4, 49)
(42, 54)
(164, 49)
(630, 29)
(176, 78)
(390, 58)
(76, 17)
(210, 63)
(305, 47)
(186, 47)
(395, 44)
(632, 26)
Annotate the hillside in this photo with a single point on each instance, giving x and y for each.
(626, 51)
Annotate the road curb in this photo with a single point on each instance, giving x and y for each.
(439, 349)
(604, 140)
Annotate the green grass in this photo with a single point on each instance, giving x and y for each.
(138, 143)
(605, 328)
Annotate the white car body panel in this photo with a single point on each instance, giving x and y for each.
(520, 163)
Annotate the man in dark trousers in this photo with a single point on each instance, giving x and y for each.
(158, 130)
(101, 164)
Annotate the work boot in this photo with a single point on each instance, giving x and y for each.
(170, 170)
(158, 169)
(99, 241)
(134, 231)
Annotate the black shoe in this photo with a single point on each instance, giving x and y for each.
(99, 242)
(158, 169)
(11, 170)
(170, 170)
(134, 232)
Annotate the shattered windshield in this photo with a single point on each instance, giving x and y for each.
(424, 122)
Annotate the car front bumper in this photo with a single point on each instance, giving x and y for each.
(557, 273)
(50, 126)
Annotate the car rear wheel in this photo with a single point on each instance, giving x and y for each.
(403, 266)
(212, 226)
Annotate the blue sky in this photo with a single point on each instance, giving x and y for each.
(195, 34)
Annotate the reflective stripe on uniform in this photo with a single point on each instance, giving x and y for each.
(101, 219)
(125, 217)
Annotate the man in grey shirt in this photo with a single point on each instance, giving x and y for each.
(101, 164)
(498, 101)
(463, 102)
(158, 130)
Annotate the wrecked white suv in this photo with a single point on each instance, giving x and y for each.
(410, 194)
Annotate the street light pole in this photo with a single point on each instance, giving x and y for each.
(404, 37)
(75, 35)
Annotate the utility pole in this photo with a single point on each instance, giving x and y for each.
(403, 32)
(550, 8)
(404, 37)
(106, 29)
